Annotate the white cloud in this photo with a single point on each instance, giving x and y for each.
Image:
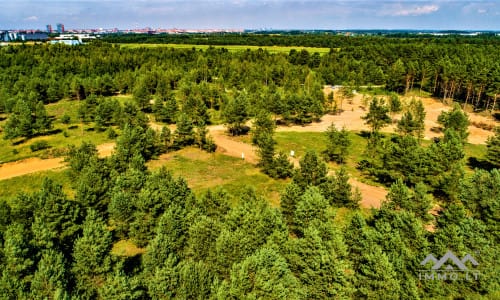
(31, 18)
(413, 10)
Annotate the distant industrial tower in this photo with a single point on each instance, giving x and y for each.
(60, 28)
(49, 28)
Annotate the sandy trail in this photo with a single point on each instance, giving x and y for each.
(35, 164)
(350, 118)
(372, 196)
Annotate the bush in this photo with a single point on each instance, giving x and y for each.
(111, 133)
(40, 145)
(65, 119)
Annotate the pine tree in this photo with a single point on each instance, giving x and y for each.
(50, 277)
(20, 122)
(310, 206)
(183, 135)
(141, 94)
(263, 275)
(42, 120)
(456, 120)
(91, 255)
(312, 171)
(288, 203)
(493, 149)
(235, 114)
(377, 116)
(338, 144)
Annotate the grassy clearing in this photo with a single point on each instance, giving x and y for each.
(231, 48)
(62, 135)
(126, 248)
(301, 142)
(204, 171)
(10, 188)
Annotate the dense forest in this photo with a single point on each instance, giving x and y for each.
(318, 244)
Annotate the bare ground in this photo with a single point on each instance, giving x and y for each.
(35, 164)
(350, 118)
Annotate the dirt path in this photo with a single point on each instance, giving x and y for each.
(35, 164)
(351, 119)
(372, 196)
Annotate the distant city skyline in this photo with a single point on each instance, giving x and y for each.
(252, 14)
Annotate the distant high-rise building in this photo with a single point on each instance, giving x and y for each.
(49, 28)
(60, 28)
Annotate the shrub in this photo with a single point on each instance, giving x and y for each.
(39, 145)
(65, 119)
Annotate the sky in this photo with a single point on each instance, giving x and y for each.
(252, 14)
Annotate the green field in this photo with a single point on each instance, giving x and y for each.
(204, 171)
(60, 137)
(31, 183)
(232, 48)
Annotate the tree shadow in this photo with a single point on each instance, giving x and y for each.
(475, 163)
(364, 134)
(496, 116)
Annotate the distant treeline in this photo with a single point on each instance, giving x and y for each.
(323, 39)
(465, 69)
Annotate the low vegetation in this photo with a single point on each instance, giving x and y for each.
(167, 216)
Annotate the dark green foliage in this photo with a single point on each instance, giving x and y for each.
(481, 195)
(235, 113)
(376, 278)
(91, 255)
(456, 120)
(39, 145)
(79, 158)
(493, 145)
(56, 218)
(65, 119)
(238, 246)
(262, 275)
(310, 207)
(338, 191)
(166, 110)
(266, 151)
(395, 105)
(248, 226)
(318, 266)
(338, 144)
(312, 171)
(141, 94)
(412, 121)
(288, 203)
(281, 166)
(27, 120)
(135, 141)
(377, 116)
(121, 286)
(184, 134)
(18, 257)
(400, 197)
(51, 276)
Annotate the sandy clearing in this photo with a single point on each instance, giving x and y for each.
(35, 164)
(350, 118)
(372, 196)
(28, 166)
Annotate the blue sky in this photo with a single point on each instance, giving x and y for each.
(252, 14)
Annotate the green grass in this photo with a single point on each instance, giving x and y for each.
(301, 142)
(231, 48)
(64, 135)
(10, 188)
(204, 171)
